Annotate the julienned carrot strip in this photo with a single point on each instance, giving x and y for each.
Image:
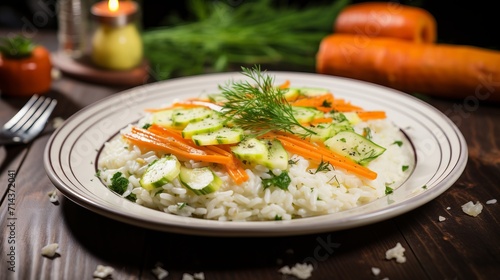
(371, 115)
(285, 85)
(148, 139)
(319, 153)
(444, 70)
(234, 169)
(189, 103)
(325, 100)
(321, 120)
(180, 144)
(162, 131)
(387, 19)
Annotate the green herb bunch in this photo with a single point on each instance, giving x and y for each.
(255, 32)
(16, 47)
(257, 104)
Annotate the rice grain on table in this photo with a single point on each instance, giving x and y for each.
(309, 194)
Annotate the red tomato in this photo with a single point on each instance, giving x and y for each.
(26, 76)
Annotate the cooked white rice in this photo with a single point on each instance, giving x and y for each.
(308, 194)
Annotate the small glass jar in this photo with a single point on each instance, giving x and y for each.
(116, 42)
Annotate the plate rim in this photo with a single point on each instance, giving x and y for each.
(261, 228)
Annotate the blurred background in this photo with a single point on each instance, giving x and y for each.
(459, 22)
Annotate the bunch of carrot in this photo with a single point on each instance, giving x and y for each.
(395, 45)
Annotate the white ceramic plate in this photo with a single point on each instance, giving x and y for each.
(71, 154)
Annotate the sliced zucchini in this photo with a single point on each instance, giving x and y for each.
(251, 151)
(354, 146)
(206, 125)
(160, 172)
(322, 131)
(163, 118)
(277, 156)
(336, 128)
(307, 91)
(291, 94)
(200, 180)
(181, 117)
(352, 117)
(306, 114)
(224, 135)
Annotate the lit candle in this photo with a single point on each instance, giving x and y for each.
(116, 43)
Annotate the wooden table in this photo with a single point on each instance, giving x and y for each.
(461, 247)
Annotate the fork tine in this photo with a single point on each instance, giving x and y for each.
(39, 123)
(31, 116)
(16, 118)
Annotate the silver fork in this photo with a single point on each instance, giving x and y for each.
(28, 122)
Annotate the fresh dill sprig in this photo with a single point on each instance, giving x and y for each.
(257, 105)
(323, 166)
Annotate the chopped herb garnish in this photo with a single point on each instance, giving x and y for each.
(181, 205)
(146, 126)
(338, 117)
(326, 104)
(98, 173)
(323, 166)
(278, 218)
(424, 187)
(118, 183)
(399, 143)
(367, 133)
(281, 181)
(158, 192)
(336, 180)
(388, 190)
(343, 140)
(131, 197)
(404, 167)
(291, 161)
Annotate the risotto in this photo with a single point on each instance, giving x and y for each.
(314, 185)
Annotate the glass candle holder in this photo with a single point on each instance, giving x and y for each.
(116, 42)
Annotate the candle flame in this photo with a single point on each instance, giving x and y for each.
(113, 5)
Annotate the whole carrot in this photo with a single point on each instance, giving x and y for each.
(454, 71)
(387, 19)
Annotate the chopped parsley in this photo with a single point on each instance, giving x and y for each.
(181, 205)
(146, 126)
(388, 190)
(278, 218)
(398, 142)
(424, 187)
(281, 181)
(119, 185)
(404, 167)
(326, 104)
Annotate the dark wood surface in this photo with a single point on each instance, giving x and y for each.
(461, 247)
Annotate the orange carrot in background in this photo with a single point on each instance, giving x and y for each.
(443, 70)
(387, 19)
